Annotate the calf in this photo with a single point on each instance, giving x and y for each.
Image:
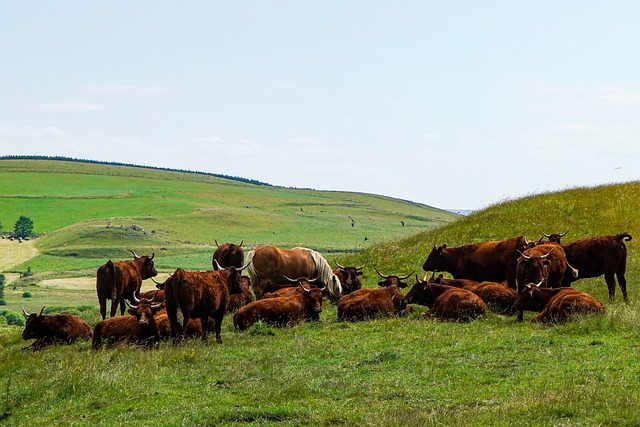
(557, 304)
(50, 329)
(281, 311)
(446, 302)
(595, 256)
(139, 327)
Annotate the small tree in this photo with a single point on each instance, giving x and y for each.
(2, 279)
(23, 227)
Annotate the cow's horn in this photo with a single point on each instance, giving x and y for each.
(245, 267)
(404, 277)
(338, 264)
(525, 256)
(25, 313)
(154, 296)
(216, 242)
(363, 265)
(156, 306)
(135, 298)
(218, 264)
(540, 284)
(313, 280)
(544, 256)
(134, 254)
(380, 274)
(241, 242)
(290, 279)
(156, 282)
(545, 234)
(135, 307)
(153, 254)
(41, 311)
(564, 234)
(306, 291)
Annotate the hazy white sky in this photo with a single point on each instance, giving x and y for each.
(456, 104)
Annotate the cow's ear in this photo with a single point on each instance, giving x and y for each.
(546, 262)
(443, 247)
(359, 273)
(131, 311)
(381, 284)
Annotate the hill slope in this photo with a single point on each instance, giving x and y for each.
(91, 212)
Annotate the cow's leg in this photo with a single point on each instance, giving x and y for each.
(114, 307)
(520, 315)
(611, 284)
(217, 325)
(122, 306)
(204, 321)
(103, 307)
(622, 282)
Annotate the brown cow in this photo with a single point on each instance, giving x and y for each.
(51, 329)
(194, 327)
(491, 261)
(557, 304)
(366, 304)
(138, 327)
(199, 295)
(281, 311)
(446, 302)
(545, 262)
(595, 256)
(237, 300)
(273, 263)
(348, 277)
(227, 255)
(121, 280)
(497, 296)
(155, 294)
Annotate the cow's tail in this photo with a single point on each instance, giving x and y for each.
(176, 298)
(623, 236)
(251, 271)
(110, 276)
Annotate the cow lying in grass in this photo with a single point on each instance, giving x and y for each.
(557, 305)
(51, 329)
(446, 302)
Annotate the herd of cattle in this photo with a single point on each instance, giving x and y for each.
(285, 286)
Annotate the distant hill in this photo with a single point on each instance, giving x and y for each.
(90, 211)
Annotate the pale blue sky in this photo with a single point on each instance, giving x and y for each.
(456, 104)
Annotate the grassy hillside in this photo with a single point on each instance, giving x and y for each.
(392, 372)
(86, 213)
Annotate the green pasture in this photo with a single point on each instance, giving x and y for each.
(408, 371)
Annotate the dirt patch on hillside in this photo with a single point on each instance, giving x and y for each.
(14, 253)
(89, 283)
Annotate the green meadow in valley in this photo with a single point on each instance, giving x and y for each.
(388, 372)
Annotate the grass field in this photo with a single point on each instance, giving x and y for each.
(388, 372)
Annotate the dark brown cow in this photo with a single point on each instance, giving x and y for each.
(497, 296)
(121, 280)
(365, 304)
(490, 261)
(273, 263)
(199, 295)
(237, 300)
(349, 277)
(543, 263)
(227, 255)
(446, 302)
(557, 304)
(155, 294)
(281, 311)
(595, 256)
(138, 327)
(51, 329)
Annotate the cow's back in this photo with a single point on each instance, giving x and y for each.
(458, 304)
(569, 303)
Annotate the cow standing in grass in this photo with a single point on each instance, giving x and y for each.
(121, 280)
(595, 256)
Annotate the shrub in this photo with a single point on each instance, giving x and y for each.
(26, 294)
(12, 317)
(3, 302)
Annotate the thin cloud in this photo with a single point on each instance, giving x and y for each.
(69, 106)
(128, 89)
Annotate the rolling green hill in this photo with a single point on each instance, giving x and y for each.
(88, 213)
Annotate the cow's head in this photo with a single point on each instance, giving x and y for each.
(227, 255)
(435, 260)
(232, 276)
(313, 301)
(35, 326)
(145, 265)
(530, 299)
(348, 277)
(535, 267)
(392, 280)
(555, 237)
(144, 311)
